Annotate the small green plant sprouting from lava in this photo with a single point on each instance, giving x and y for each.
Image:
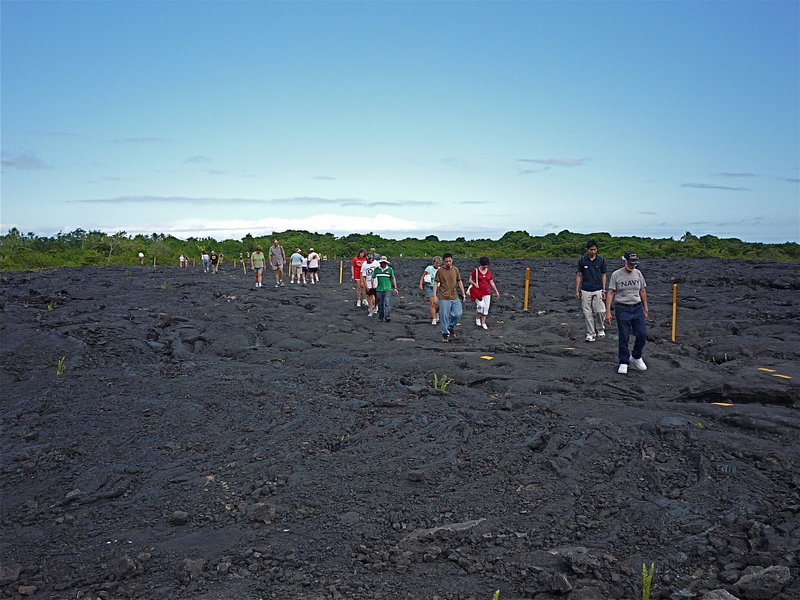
(441, 383)
(61, 365)
(647, 580)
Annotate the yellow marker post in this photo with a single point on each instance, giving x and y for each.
(341, 271)
(674, 311)
(527, 288)
(244, 269)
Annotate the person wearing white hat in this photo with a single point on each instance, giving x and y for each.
(386, 286)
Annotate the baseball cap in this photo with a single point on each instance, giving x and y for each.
(632, 258)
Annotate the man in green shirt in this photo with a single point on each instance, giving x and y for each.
(386, 285)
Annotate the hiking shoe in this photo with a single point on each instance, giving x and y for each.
(445, 337)
(623, 368)
(388, 319)
(453, 333)
(638, 364)
(589, 337)
(601, 334)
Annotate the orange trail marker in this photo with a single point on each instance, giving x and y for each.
(527, 289)
(781, 376)
(674, 312)
(487, 357)
(767, 370)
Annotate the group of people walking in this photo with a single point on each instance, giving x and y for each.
(623, 294)
(303, 266)
(375, 283)
(625, 291)
(440, 282)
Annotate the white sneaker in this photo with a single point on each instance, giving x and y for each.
(484, 326)
(589, 337)
(478, 322)
(601, 333)
(638, 364)
(622, 369)
(358, 302)
(364, 303)
(434, 321)
(370, 313)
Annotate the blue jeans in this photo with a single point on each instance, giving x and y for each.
(630, 319)
(384, 300)
(450, 312)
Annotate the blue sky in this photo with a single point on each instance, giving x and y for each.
(402, 118)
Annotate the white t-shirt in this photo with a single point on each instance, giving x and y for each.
(313, 260)
(366, 271)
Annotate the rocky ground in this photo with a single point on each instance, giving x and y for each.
(172, 434)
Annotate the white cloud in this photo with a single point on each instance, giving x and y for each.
(238, 228)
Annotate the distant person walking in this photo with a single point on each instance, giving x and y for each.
(277, 258)
(449, 289)
(257, 263)
(627, 294)
(590, 285)
(482, 279)
(206, 261)
(355, 270)
(385, 287)
(182, 261)
(370, 284)
(296, 267)
(313, 265)
(214, 262)
(426, 285)
(141, 258)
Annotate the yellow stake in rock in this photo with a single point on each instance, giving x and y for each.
(341, 271)
(674, 311)
(527, 288)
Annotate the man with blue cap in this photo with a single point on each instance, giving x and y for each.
(627, 294)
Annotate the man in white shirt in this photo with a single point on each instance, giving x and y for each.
(369, 282)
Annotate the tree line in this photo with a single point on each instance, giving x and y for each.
(20, 251)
